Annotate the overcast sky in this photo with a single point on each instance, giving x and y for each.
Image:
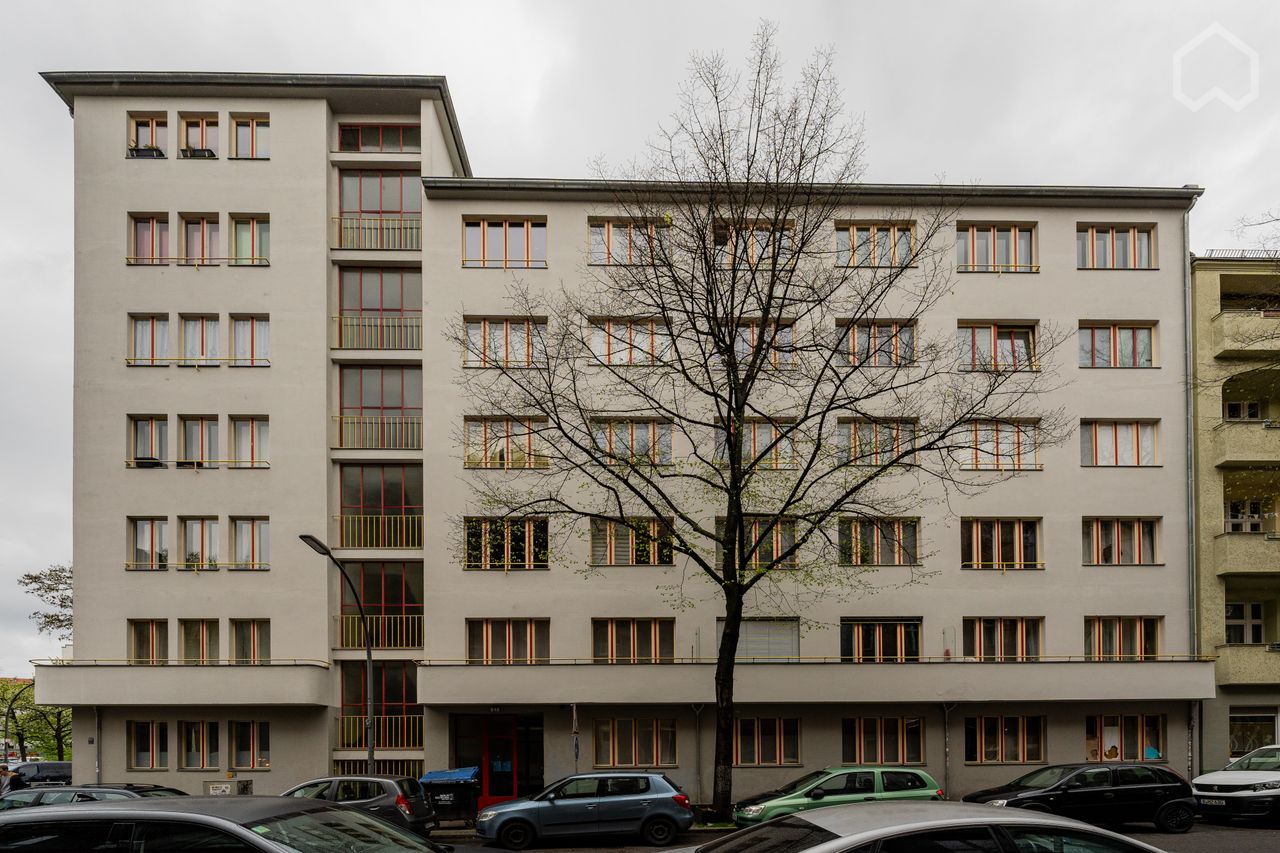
(1002, 91)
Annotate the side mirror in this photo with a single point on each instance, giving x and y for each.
(816, 794)
(1073, 785)
(551, 798)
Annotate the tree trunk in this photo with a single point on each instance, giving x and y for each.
(60, 737)
(722, 781)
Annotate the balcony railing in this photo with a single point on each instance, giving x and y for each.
(378, 432)
(387, 632)
(378, 332)
(388, 732)
(377, 232)
(380, 531)
(183, 261)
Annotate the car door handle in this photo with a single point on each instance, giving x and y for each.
(1108, 796)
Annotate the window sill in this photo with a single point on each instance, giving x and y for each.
(1121, 565)
(877, 266)
(1039, 568)
(506, 570)
(476, 265)
(199, 769)
(258, 159)
(147, 769)
(880, 565)
(1014, 470)
(1118, 367)
(263, 364)
(1034, 269)
(1121, 466)
(1117, 269)
(631, 565)
(190, 364)
(249, 769)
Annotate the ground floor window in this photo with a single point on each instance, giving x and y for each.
(199, 745)
(148, 744)
(882, 740)
(250, 745)
(761, 741)
(1124, 737)
(635, 743)
(1004, 740)
(1250, 728)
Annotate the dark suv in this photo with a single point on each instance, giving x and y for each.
(64, 794)
(31, 773)
(398, 799)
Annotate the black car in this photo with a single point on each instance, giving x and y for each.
(64, 794)
(32, 773)
(1100, 793)
(398, 799)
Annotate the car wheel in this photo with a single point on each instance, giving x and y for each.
(658, 831)
(515, 835)
(1175, 817)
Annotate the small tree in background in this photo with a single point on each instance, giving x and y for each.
(53, 587)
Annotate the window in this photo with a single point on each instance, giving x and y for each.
(866, 442)
(1000, 543)
(252, 543)
(381, 308)
(381, 506)
(640, 541)
(149, 338)
(1118, 443)
(879, 343)
(1122, 637)
(995, 248)
(867, 640)
(368, 138)
(504, 244)
(874, 245)
(504, 443)
(764, 444)
(150, 239)
(508, 641)
(1244, 517)
(1003, 639)
(749, 247)
(251, 641)
(506, 544)
(625, 242)
(149, 441)
(199, 640)
(997, 347)
(250, 342)
(1116, 346)
(1124, 737)
(1245, 623)
(1114, 247)
(252, 139)
(148, 745)
(635, 441)
(879, 541)
(635, 742)
(199, 745)
(199, 137)
(148, 136)
(763, 640)
(633, 640)
(629, 341)
(1239, 410)
(148, 641)
(250, 745)
(252, 246)
(1004, 740)
(200, 243)
(200, 543)
(392, 595)
(1249, 729)
(150, 544)
(506, 342)
(199, 441)
(766, 740)
(774, 339)
(250, 442)
(1002, 445)
(199, 341)
(882, 740)
(764, 537)
(1120, 541)
(381, 407)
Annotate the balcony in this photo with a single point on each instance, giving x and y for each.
(1245, 665)
(824, 680)
(388, 732)
(380, 531)
(1243, 444)
(116, 682)
(1256, 554)
(377, 233)
(378, 331)
(1245, 333)
(380, 432)
(387, 632)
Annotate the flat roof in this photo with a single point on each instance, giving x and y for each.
(354, 93)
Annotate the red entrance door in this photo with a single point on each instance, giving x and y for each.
(498, 760)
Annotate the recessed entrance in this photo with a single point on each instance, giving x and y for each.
(506, 747)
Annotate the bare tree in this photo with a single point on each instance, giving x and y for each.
(738, 389)
(52, 586)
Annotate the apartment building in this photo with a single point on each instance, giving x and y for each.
(269, 271)
(1236, 333)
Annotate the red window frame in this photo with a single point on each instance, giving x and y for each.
(898, 555)
(155, 425)
(157, 651)
(156, 734)
(206, 128)
(627, 341)
(901, 434)
(208, 234)
(353, 282)
(385, 593)
(260, 757)
(156, 536)
(1024, 628)
(205, 454)
(152, 321)
(206, 737)
(253, 123)
(372, 205)
(856, 732)
(537, 633)
(383, 136)
(877, 355)
(1133, 454)
(1092, 532)
(995, 728)
(602, 254)
(1113, 345)
(259, 641)
(972, 528)
(989, 264)
(149, 239)
(1113, 232)
(259, 355)
(257, 458)
(784, 728)
(617, 438)
(390, 677)
(849, 243)
(479, 532)
(208, 638)
(484, 436)
(656, 629)
(609, 734)
(997, 336)
(605, 534)
(206, 544)
(534, 331)
(359, 478)
(258, 550)
(1096, 627)
(353, 378)
(157, 131)
(488, 259)
(1018, 457)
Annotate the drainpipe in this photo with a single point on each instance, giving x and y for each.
(697, 748)
(946, 748)
(97, 744)
(1192, 568)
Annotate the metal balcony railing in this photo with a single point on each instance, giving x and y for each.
(364, 331)
(386, 632)
(377, 232)
(388, 732)
(380, 531)
(378, 432)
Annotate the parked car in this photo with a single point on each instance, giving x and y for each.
(31, 773)
(1100, 793)
(1247, 787)
(922, 827)
(203, 823)
(398, 799)
(837, 786)
(64, 794)
(591, 804)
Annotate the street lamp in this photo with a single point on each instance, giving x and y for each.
(319, 547)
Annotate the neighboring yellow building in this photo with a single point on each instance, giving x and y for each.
(1237, 427)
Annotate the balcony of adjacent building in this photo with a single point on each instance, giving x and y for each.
(379, 210)
(1248, 435)
(1250, 654)
(273, 682)
(1247, 324)
(1249, 543)
(381, 506)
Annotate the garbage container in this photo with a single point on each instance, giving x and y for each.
(454, 792)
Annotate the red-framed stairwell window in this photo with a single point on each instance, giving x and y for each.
(381, 407)
(373, 138)
(380, 209)
(395, 688)
(381, 506)
(391, 591)
(380, 308)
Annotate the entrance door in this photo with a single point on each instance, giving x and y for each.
(500, 746)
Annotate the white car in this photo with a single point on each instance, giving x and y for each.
(1247, 787)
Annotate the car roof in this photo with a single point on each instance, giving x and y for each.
(839, 768)
(871, 819)
(599, 773)
(121, 786)
(376, 777)
(236, 809)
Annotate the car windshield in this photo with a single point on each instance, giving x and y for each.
(335, 829)
(1043, 778)
(803, 782)
(161, 792)
(783, 835)
(1267, 758)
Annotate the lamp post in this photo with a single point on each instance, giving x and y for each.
(319, 547)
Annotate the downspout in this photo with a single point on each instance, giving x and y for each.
(697, 748)
(946, 748)
(97, 744)
(1193, 572)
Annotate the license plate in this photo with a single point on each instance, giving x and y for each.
(1205, 801)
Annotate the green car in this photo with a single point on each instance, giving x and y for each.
(837, 786)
